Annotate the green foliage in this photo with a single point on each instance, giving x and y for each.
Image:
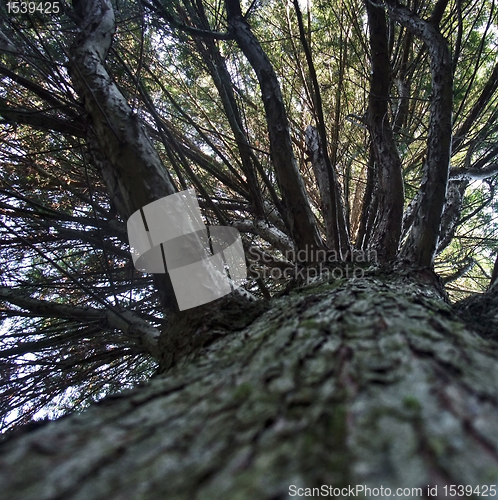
(61, 235)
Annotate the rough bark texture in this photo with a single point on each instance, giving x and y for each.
(371, 381)
(451, 213)
(217, 68)
(327, 206)
(132, 169)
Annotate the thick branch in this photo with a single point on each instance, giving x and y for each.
(451, 212)
(131, 168)
(270, 234)
(134, 173)
(390, 191)
(474, 173)
(300, 220)
(462, 268)
(372, 382)
(174, 23)
(438, 12)
(422, 240)
(316, 154)
(223, 81)
(480, 105)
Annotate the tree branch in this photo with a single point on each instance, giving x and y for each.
(299, 220)
(421, 244)
(131, 168)
(480, 105)
(474, 173)
(126, 321)
(337, 234)
(390, 190)
(38, 119)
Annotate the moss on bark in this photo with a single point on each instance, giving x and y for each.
(372, 382)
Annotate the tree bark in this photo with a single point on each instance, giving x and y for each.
(316, 153)
(451, 213)
(477, 109)
(131, 168)
(215, 64)
(368, 205)
(368, 381)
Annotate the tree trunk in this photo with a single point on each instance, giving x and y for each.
(316, 153)
(372, 381)
(132, 169)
